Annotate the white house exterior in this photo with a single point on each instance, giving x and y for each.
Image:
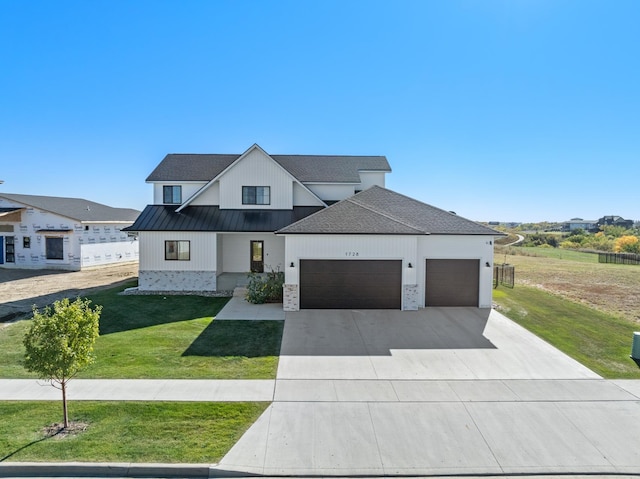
(342, 239)
(45, 232)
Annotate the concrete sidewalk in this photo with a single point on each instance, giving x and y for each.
(424, 428)
(226, 390)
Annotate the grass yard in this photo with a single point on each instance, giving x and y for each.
(600, 341)
(556, 253)
(172, 337)
(610, 288)
(162, 432)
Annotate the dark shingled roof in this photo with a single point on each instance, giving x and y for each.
(212, 218)
(381, 211)
(75, 208)
(305, 168)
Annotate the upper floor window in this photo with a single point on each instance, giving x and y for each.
(256, 195)
(172, 195)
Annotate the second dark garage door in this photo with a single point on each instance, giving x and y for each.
(452, 282)
(350, 284)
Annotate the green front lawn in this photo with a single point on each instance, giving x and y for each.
(165, 337)
(600, 341)
(162, 432)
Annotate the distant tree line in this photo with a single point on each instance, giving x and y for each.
(609, 239)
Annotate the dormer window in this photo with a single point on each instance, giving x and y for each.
(172, 195)
(256, 195)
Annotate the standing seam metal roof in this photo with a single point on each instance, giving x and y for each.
(212, 218)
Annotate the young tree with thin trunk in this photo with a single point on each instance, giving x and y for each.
(59, 343)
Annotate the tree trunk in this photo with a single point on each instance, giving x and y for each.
(63, 385)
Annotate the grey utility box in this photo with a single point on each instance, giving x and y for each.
(635, 348)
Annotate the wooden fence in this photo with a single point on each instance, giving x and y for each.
(619, 258)
(504, 274)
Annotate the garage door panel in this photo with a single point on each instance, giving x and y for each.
(350, 284)
(452, 282)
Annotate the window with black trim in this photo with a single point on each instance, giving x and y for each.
(256, 195)
(177, 250)
(172, 195)
(26, 241)
(54, 248)
(10, 249)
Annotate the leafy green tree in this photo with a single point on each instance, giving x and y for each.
(59, 343)
(614, 231)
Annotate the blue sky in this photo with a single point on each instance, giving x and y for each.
(510, 110)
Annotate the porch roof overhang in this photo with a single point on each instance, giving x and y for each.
(214, 219)
(9, 211)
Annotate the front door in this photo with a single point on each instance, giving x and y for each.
(257, 256)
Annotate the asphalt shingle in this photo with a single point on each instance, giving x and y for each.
(305, 168)
(75, 208)
(381, 211)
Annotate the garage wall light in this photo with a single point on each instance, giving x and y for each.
(487, 265)
(292, 265)
(409, 265)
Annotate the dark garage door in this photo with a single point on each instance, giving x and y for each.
(350, 284)
(452, 282)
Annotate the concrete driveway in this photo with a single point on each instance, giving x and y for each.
(432, 343)
(440, 391)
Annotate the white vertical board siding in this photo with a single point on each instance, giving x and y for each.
(209, 197)
(458, 247)
(302, 197)
(219, 254)
(332, 192)
(350, 247)
(188, 190)
(202, 247)
(236, 251)
(371, 178)
(256, 169)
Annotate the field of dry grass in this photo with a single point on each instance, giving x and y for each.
(607, 287)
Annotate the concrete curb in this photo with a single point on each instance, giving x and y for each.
(109, 469)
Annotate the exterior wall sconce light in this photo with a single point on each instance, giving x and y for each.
(409, 265)
(292, 265)
(487, 265)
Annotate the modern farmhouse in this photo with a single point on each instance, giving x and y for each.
(341, 238)
(63, 233)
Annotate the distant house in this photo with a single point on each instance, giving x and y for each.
(342, 239)
(47, 232)
(614, 221)
(579, 224)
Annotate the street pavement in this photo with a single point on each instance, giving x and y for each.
(440, 391)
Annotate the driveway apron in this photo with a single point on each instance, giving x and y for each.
(436, 391)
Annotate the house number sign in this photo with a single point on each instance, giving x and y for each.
(352, 253)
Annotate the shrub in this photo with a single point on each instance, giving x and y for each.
(570, 245)
(627, 244)
(265, 288)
